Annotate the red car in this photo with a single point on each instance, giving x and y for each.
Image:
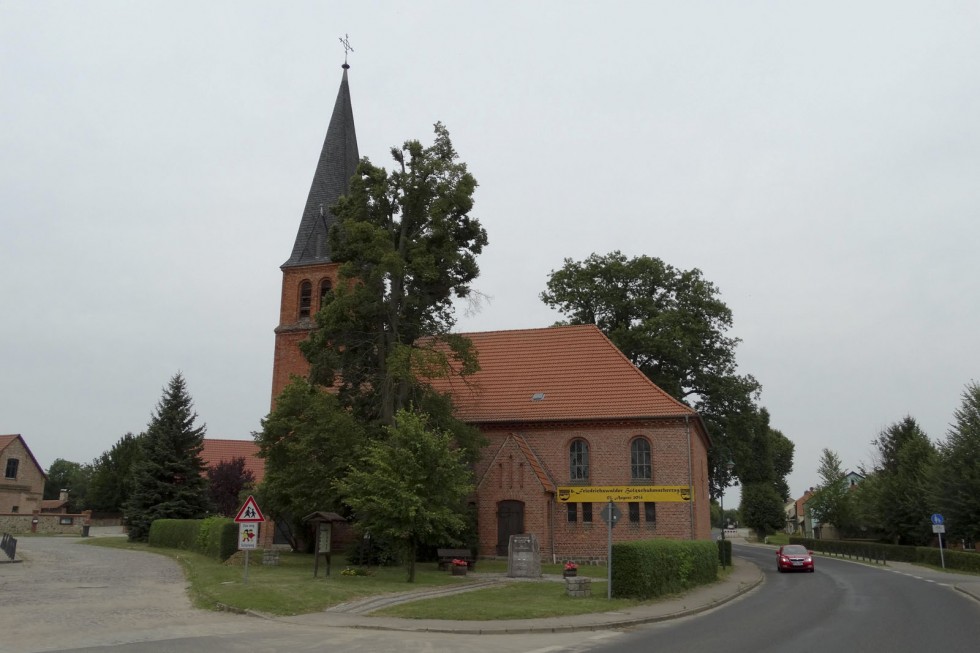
(794, 557)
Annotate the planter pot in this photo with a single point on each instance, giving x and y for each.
(568, 573)
(457, 570)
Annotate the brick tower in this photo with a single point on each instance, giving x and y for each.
(309, 274)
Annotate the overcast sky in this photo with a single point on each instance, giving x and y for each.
(819, 162)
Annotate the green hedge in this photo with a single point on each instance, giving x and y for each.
(956, 560)
(216, 537)
(652, 568)
(174, 533)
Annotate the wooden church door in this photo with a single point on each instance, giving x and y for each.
(510, 521)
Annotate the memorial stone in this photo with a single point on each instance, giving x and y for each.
(523, 556)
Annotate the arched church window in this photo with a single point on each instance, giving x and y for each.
(325, 287)
(305, 298)
(578, 460)
(641, 468)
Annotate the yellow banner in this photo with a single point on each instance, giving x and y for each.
(625, 493)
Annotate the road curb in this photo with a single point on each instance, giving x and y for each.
(639, 615)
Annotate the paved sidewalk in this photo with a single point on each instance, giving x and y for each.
(744, 577)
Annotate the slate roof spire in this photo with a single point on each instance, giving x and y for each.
(337, 164)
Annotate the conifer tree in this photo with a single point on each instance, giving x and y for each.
(112, 475)
(168, 479)
(958, 472)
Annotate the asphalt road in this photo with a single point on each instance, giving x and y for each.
(71, 597)
(843, 606)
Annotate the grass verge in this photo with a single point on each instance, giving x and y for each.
(289, 588)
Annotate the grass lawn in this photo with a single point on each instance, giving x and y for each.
(289, 588)
(286, 589)
(778, 539)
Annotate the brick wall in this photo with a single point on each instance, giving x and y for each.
(47, 524)
(288, 360)
(505, 474)
(25, 491)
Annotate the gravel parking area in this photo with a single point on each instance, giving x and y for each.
(67, 595)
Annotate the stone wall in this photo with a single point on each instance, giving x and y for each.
(506, 474)
(47, 524)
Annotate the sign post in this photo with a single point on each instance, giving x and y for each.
(248, 519)
(939, 527)
(610, 514)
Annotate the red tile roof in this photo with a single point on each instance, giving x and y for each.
(53, 505)
(558, 373)
(217, 451)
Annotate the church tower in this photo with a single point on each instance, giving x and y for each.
(309, 274)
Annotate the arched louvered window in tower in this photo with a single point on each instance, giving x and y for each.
(305, 299)
(578, 460)
(325, 287)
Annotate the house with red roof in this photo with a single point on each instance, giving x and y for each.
(22, 482)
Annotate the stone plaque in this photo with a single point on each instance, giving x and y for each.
(523, 556)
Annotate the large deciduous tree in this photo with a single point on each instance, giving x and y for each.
(762, 509)
(957, 475)
(763, 457)
(168, 479)
(308, 441)
(831, 503)
(410, 488)
(407, 247)
(112, 477)
(896, 496)
(673, 325)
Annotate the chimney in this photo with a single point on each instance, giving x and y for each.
(63, 496)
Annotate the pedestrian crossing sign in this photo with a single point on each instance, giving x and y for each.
(249, 513)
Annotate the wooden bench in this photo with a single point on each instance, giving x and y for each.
(446, 557)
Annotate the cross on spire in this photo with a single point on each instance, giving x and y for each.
(347, 48)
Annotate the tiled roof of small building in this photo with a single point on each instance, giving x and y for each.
(53, 505)
(558, 373)
(217, 451)
(337, 164)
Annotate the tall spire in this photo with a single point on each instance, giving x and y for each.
(337, 164)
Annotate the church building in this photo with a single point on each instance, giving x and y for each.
(575, 431)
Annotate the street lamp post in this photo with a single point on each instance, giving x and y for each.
(724, 552)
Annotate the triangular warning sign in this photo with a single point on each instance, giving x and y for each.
(249, 513)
